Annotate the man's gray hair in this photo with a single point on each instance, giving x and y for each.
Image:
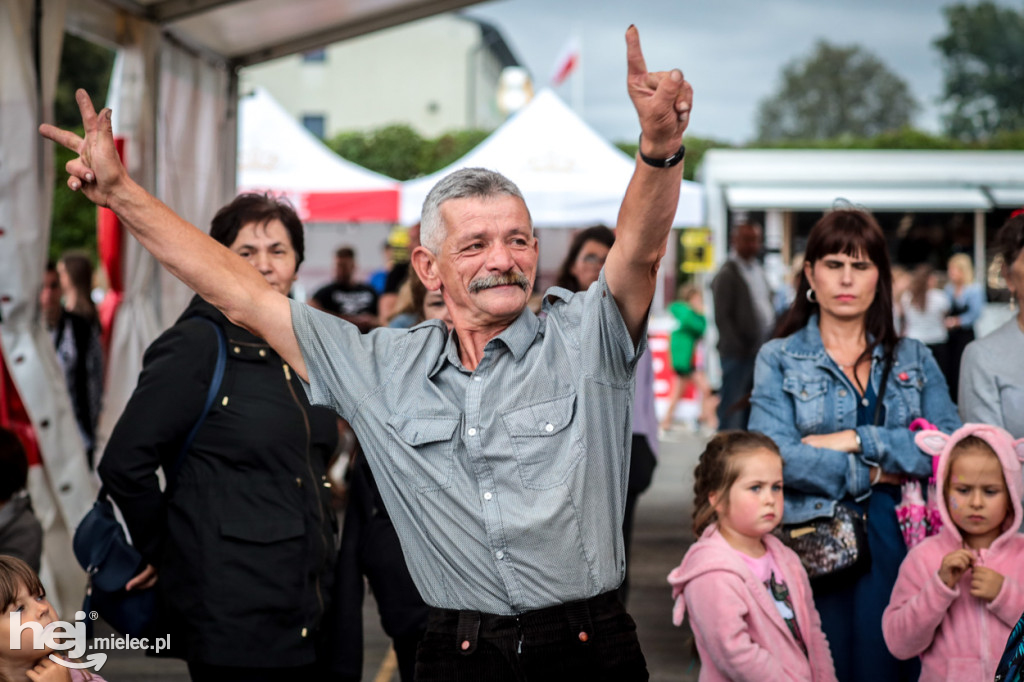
(465, 183)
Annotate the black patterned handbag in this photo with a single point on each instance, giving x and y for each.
(832, 549)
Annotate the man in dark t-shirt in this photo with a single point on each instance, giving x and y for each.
(352, 301)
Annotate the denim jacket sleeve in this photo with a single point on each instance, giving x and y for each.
(916, 388)
(812, 471)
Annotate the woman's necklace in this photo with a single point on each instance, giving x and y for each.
(852, 370)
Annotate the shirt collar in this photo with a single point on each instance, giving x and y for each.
(517, 337)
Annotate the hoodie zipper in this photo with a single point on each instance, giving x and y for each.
(313, 488)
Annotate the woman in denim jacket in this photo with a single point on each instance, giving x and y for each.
(815, 394)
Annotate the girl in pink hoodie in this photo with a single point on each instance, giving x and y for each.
(749, 600)
(960, 592)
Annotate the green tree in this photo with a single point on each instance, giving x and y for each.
(82, 65)
(983, 58)
(833, 92)
(400, 152)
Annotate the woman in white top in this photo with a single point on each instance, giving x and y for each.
(924, 312)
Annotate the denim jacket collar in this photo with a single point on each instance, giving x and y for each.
(806, 344)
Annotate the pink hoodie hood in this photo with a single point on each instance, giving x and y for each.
(1010, 453)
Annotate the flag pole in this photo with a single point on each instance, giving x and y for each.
(577, 86)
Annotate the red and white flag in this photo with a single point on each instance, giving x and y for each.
(567, 62)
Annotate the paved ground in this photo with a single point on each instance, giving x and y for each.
(660, 539)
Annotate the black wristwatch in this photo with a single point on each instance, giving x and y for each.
(660, 163)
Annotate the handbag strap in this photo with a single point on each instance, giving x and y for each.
(880, 396)
(211, 396)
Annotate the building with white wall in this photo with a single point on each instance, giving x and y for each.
(435, 75)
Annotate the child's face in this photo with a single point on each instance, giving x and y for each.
(977, 497)
(34, 608)
(752, 507)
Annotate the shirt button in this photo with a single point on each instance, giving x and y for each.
(549, 428)
(476, 378)
(488, 496)
(499, 554)
(471, 431)
(842, 393)
(304, 632)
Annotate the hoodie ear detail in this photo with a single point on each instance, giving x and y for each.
(931, 442)
(1018, 448)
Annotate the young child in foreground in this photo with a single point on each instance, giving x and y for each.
(748, 596)
(21, 592)
(960, 592)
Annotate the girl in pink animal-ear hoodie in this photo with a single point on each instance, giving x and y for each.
(960, 592)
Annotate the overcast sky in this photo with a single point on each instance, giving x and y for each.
(732, 51)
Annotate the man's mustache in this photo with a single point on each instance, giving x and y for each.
(507, 279)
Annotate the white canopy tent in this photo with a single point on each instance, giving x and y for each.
(276, 153)
(173, 93)
(569, 175)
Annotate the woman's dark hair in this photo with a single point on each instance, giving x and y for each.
(1010, 240)
(260, 209)
(13, 465)
(78, 267)
(716, 471)
(919, 285)
(853, 232)
(597, 233)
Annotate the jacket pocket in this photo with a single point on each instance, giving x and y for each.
(260, 563)
(808, 395)
(909, 384)
(542, 441)
(433, 441)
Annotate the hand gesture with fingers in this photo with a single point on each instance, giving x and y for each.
(662, 99)
(953, 566)
(985, 583)
(97, 171)
(48, 671)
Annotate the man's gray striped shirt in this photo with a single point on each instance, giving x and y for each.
(506, 484)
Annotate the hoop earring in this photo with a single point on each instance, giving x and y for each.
(811, 298)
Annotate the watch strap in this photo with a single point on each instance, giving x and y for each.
(661, 163)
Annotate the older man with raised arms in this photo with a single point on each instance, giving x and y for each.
(501, 449)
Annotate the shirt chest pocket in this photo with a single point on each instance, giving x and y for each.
(808, 397)
(429, 450)
(543, 442)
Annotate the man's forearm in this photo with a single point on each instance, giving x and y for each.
(207, 267)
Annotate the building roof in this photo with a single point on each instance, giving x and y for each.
(924, 180)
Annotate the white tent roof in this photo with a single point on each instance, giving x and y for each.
(248, 32)
(277, 153)
(569, 175)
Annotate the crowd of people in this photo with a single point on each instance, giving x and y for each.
(502, 440)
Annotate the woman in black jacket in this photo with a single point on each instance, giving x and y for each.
(243, 539)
